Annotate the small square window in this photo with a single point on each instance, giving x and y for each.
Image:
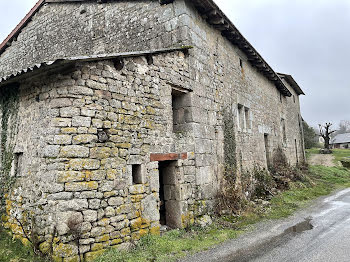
(136, 174)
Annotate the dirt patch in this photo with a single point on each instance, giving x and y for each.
(322, 160)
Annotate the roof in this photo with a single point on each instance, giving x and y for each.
(290, 80)
(341, 139)
(67, 62)
(213, 15)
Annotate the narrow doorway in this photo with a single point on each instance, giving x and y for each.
(296, 151)
(266, 140)
(168, 207)
(162, 210)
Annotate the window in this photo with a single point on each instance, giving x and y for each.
(18, 159)
(281, 97)
(241, 62)
(294, 98)
(181, 108)
(136, 174)
(267, 152)
(240, 120)
(247, 118)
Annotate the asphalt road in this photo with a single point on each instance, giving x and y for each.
(319, 233)
(324, 237)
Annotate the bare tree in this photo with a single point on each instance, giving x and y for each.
(325, 132)
(344, 127)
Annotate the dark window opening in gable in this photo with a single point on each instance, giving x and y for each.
(118, 64)
(241, 62)
(149, 59)
(18, 164)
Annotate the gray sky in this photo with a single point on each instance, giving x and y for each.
(307, 40)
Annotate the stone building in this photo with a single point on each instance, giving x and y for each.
(118, 115)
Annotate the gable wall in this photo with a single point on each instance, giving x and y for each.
(62, 30)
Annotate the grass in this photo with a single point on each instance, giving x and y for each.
(12, 250)
(172, 245)
(179, 243)
(340, 153)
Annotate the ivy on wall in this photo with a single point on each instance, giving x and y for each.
(8, 129)
(229, 145)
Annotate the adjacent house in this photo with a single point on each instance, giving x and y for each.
(341, 141)
(119, 115)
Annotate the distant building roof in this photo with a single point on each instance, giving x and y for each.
(341, 139)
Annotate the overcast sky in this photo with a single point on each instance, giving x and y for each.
(307, 40)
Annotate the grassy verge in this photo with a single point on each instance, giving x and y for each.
(340, 153)
(175, 244)
(12, 250)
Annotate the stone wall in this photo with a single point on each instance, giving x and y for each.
(85, 131)
(224, 78)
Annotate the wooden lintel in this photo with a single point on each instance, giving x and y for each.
(168, 157)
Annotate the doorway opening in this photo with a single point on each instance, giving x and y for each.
(266, 140)
(168, 202)
(296, 151)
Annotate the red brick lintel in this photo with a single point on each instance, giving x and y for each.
(168, 157)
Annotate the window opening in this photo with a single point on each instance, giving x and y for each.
(181, 109)
(18, 159)
(136, 174)
(247, 118)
